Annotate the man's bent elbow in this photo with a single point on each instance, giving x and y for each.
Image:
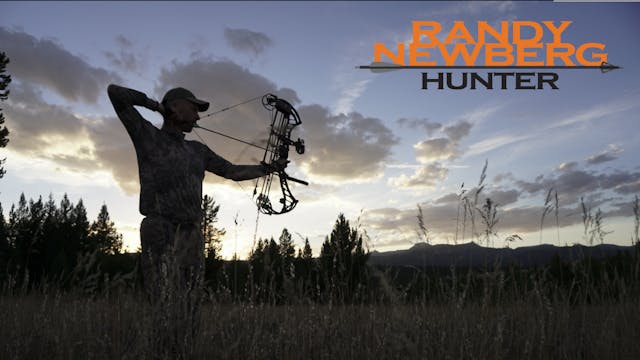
(112, 91)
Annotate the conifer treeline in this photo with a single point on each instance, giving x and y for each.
(278, 273)
(48, 243)
(339, 274)
(43, 241)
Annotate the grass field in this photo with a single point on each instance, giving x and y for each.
(41, 326)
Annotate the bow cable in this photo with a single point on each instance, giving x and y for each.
(231, 107)
(230, 137)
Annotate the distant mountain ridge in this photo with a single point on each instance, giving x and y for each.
(473, 255)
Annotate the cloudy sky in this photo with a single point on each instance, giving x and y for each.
(377, 145)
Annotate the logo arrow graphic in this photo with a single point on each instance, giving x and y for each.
(381, 67)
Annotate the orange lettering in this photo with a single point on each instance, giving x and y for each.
(434, 27)
(498, 50)
(460, 49)
(557, 31)
(522, 53)
(502, 36)
(552, 53)
(379, 49)
(517, 33)
(459, 31)
(600, 57)
(414, 54)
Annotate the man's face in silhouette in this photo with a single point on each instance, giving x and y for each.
(184, 114)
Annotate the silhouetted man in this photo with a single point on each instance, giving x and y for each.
(171, 171)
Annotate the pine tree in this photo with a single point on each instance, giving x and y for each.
(4, 94)
(54, 253)
(211, 234)
(305, 270)
(287, 253)
(307, 254)
(35, 231)
(64, 212)
(80, 228)
(212, 242)
(4, 246)
(273, 270)
(19, 239)
(103, 234)
(344, 261)
(64, 246)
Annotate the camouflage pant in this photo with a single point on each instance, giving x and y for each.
(173, 271)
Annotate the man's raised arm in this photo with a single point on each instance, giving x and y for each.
(124, 100)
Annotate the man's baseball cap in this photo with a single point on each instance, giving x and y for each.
(182, 93)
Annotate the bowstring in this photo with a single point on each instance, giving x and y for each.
(275, 140)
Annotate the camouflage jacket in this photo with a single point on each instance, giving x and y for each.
(171, 169)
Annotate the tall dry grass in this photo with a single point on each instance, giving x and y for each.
(41, 326)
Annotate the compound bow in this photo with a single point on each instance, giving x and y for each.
(284, 118)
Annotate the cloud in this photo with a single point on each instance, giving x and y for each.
(568, 166)
(34, 123)
(502, 197)
(114, 152)
(628, 188)
(428, 126)
(439, 219)
(427, 176)
(445, 221)
(247, 41)
(609, 154)
(222, 82)
(458, 131)
(574, 183)
(349, 94)
(597, 112)
(442, 216)
(123, 41)
(124, 58)
(527, 219)
(451, 198)
(494, 143)
(344, 147)
(429, 151)
(443, 147)
(503, 177)
(74, 143)
(473, 8)
(47, 63)
(435, 149)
